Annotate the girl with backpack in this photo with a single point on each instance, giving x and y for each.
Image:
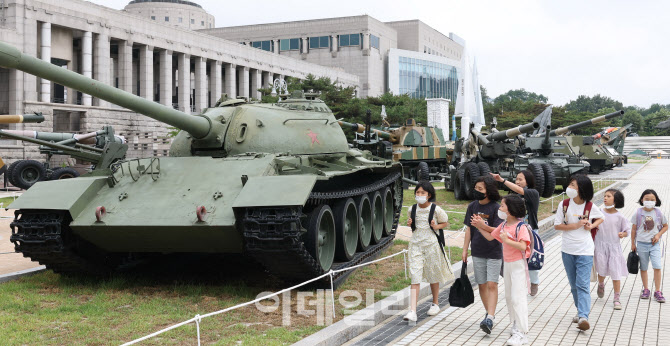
(515, 236)
(649, 224)
(608, 257)
(576, 218)
(427, 261)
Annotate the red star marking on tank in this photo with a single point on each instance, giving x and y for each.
(313, 135)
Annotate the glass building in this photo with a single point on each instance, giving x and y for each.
(423, 75)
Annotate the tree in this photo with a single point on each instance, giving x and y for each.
(633, 117)
(585, 103)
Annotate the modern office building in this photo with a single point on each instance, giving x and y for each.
(155, 59)
(362, 45)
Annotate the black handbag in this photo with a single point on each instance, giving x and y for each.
(461, 294)
(633, 262)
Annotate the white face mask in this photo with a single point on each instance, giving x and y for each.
(502, 215)
(571, 193)
(609, 206)
(421, 199)
(649, 204)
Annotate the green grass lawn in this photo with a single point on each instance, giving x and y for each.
(6, 201)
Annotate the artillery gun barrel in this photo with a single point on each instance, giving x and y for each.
(481, 137)
(60, 138)
(547, 134)
(18, 119)
(12, 58)
(596, 120)
(511, 133)
(360, 128)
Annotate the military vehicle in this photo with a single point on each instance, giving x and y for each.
(615, 137)
(16, 119)
(409, 144)
(277, 182)
(25, 173)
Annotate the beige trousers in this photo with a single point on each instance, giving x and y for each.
(516, 291)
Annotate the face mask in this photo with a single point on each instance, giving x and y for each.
(421, 199)
(502, 215)
(609, 206)
(649, 204)
(571, 193)
(479, 195)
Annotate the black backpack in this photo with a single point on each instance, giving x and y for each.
(461, 294)
(439, 234)
(633, 262)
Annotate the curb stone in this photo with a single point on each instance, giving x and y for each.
(21, 273)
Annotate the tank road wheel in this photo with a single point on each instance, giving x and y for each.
(459, 185)
(538, 173)
(389, 211)
(10, 169)
(549, 180)
(63, 173)
(28, 172)
(423, 172)
(377, 216)
(471, 176)
(321, 236)
(484, 169)
(346, 229)
(364, 222)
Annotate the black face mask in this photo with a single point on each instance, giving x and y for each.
(479, 195)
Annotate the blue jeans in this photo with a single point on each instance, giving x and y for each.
(578, 270)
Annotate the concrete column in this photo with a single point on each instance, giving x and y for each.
(366, 40)
(87, 63)
(243, 82)
(333, 43)
(215, 85)
(256, 84)
(200, 101)
(166, 78)
(125, 72)
(231, 80)
(305, 45)
(29, 38)
(102, 65)
(276, 46)
(267, 79)
(147, 72)
(45, 84)
(184, 76)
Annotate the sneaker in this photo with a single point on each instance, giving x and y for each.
(645, 294)
(514, 329)
(434, 310)
(410, 317)
(658, 295)
(533, 290)
(517, 339)
(486, 325)
(583, 324)
(601, 290)
(617, 305)
(575, 319)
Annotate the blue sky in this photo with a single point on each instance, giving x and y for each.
(561, 49)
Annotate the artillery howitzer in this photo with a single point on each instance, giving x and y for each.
(16, 119)
(551, 157)
(481, 154)
(275, 181)
(409, 144)
(101, 148)
(615, 138)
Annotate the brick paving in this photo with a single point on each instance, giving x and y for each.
(551, 311)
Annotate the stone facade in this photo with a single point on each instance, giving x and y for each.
(183, 14)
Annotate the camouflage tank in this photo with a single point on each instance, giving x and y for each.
(599, 156)
(615, 138)
(409, 144)
(277, 182)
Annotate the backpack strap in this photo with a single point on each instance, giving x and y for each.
(587, 212)
(566, 203)
(431, 214)
(412, 215)
(530, 236)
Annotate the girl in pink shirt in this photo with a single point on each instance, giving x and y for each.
(515, 238)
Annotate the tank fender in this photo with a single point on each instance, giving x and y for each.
(67, 194)
(267, 191)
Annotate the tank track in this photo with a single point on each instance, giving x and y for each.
(44, 237)
(273, 236)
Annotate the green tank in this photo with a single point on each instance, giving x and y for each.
(277, 182)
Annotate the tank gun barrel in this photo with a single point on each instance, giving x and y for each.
(25, 118)
(511, 133)
(596, 120)
(360, 128)
(12, 58)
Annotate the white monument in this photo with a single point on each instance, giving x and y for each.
(438, 115)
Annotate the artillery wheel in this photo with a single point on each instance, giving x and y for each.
(377, 216)
(471, 176)
(321, 236)
(549, 180)
(459, 185)
(422, 172)
(9, 172)
(63, 173)
(346, 229)
(364, 222)
(389, 211)
(484, 169)
(538, 173)
(28, 172)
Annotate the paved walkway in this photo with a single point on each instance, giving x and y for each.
(551, 311)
